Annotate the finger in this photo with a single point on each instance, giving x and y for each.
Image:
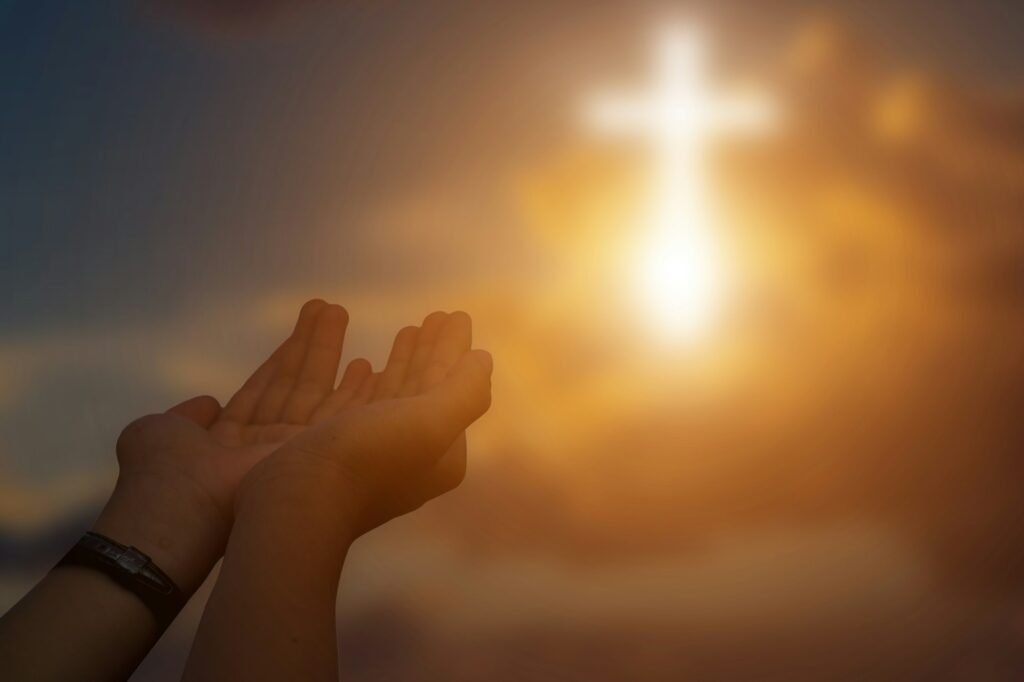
(203, 410)
(412, 432)
(443, 413)
(429, 332)
(398, 362)
(357, 372)
(454, 341)
(293, 352)
(242, 405)
(365, 392)
(320, 366)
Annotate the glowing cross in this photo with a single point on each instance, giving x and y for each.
(677, 117)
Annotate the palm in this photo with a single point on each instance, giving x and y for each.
(295, 389)
(420, 360)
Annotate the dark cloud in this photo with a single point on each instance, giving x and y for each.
(230, 14)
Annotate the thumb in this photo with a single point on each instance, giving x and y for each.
(203, 410)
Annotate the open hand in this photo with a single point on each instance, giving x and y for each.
(383, 445)
(179, 470)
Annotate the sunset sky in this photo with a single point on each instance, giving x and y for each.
(825, 486)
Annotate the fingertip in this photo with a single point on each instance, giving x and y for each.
(462, 325)
(308, 314)
(435, 318)
(405, 341)
(356, 373)
(484, 359)
(361, 365)
(462, 321)
(335, 314)
(202, 409)
(311, 306)
(207, 401)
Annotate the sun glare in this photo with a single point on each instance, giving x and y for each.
(678, 270)
(679, 284)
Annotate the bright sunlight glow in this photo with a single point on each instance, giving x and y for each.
(679, 276)
(679, 284)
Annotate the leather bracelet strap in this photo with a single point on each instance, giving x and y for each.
(132, 570)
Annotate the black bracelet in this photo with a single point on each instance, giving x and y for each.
(132, 570)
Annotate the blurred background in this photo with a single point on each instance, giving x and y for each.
(824, 486)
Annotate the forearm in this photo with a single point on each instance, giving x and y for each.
(78, 623)
(272, 614)
(75, 624)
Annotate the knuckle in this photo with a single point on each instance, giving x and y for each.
(436, 370)
(308, 387)
(138, 432)
(324, 346)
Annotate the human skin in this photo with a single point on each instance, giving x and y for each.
(176, 494)
(272, 613)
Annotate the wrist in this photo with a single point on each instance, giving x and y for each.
(310, 486)
(183, 533)
(299, 509)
